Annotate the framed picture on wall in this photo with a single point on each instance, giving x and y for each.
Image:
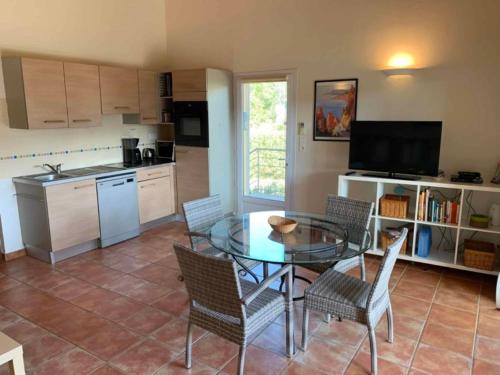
(335, 103)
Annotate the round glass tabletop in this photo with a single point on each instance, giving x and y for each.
(316, 239)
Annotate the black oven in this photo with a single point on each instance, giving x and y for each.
(191, 123)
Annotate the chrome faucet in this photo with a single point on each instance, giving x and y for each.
(54, 168)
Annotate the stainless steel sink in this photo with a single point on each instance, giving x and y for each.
(87, 171)
(50, 177)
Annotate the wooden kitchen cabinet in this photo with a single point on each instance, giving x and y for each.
(189, 85)
(35, 93)
(156, 192)
(149, 105)
(72, 213)
(83, 95)
(119, 90)
(191, 165)
(156, 172)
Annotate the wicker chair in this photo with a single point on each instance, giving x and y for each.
(346, 211)
(348, 297)
(231, 307)
(200, 215)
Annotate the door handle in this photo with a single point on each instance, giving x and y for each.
(83, 186)
(119, 183)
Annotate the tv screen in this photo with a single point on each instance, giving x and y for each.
(408, 147)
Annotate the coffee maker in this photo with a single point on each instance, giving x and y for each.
(131, 154)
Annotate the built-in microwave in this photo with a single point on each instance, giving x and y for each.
(191, 123)
(165, 150)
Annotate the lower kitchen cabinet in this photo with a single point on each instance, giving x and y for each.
(156, 198)
(72, 213)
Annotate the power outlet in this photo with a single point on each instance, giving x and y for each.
(301, 129)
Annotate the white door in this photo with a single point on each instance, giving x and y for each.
(265, 113)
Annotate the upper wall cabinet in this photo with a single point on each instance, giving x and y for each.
(189, 85)
(119, 90)
(149, 111)
(83, 94)
(35, 92)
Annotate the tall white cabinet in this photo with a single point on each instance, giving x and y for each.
(207, 171)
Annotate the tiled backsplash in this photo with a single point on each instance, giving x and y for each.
(66, 152)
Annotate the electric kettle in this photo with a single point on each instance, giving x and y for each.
(148, 153)
(495, 214)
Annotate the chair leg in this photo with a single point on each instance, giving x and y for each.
(282, 283)
(305, 327)
(373, 349)
(290, 331)
(265, 269)
(362, 267)
(241, 360)
(390, 323)
(189, 340)
(289, 334)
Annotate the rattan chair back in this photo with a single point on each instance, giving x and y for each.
(351, 212)
(211, 282)
(380, 285)
(201, 214)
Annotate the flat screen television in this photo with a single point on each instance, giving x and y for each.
(406, 147)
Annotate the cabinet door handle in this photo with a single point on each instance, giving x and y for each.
(83, 186)
(54, 121)
(82, 120)
(145, 186)
(154, 173)
(122, 106)
(149, 118)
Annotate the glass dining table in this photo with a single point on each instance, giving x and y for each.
(316, 239)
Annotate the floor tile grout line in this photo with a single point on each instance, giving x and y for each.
(394, 288)
(177, 355)
(49, 330)
(91, 312)
(426, 321)
(474, 343)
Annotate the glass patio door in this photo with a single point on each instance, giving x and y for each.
(263, 114)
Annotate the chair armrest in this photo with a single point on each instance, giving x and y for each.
(266, 283)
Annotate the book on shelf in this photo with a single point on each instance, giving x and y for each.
(436, 210)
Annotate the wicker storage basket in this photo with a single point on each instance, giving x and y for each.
(394, 206)
(387, 239)
(479, 254)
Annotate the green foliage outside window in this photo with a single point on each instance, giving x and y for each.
(267, 136)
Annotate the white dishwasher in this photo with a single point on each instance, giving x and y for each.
(118, 208)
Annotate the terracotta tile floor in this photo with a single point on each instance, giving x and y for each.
(122, 310)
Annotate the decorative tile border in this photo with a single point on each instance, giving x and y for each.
(66, 152)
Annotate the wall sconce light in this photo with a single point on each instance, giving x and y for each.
(400, 64)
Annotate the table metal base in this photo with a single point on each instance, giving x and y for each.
(298, 277)
(245, 270)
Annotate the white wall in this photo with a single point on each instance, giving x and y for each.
(124, 32)
(456, 41)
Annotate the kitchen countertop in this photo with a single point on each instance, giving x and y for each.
(143, 164)
(97, 171)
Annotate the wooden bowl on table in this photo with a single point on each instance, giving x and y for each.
(282, 224)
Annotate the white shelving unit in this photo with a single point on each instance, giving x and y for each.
(451, 258)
